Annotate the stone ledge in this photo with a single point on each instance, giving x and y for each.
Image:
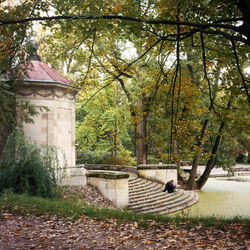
(107, 175)
(156, 166)
(122, 168)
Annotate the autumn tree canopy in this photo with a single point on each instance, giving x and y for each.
(200, 49)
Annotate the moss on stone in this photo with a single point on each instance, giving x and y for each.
(107, 175)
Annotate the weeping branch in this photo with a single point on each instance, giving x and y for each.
(205, 70)
(173, 87)
(178, 62)
(239, 69)
(126, 18)
(91, 54)
(214, 27)
(120, 74)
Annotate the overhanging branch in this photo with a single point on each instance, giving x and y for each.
(204, 26)
(239, 69)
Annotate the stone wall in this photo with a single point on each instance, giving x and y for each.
(161, 173)
(56, 126)
(74, 176)
(112, 185)
(122, 168)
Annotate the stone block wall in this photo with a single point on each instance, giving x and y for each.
(112, 185)
(74, 176)
(161, 173)
(57, 125)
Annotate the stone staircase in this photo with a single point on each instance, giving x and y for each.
(147, 197)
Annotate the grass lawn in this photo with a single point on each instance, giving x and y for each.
(73, 208)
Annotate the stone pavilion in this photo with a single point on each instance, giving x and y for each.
(44, 86)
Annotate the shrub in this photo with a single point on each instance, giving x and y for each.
(92, 157)
(27, 167)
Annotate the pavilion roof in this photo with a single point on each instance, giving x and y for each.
(39, 71)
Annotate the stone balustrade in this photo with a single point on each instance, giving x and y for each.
(112, 185)
(158, 172)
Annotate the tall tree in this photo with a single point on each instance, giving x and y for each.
(218, 29)
(15, 47)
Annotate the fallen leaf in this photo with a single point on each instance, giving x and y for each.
(149, 242)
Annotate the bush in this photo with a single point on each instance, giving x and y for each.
(91, 157)
(28, 168)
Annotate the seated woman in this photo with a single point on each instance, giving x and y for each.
(170, 187)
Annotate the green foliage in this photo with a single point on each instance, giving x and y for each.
(26, 204)
(29, 168)
(93, 157)
(90, 50)
(102, 129)
(13, 53)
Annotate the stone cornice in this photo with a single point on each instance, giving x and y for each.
(47, 89)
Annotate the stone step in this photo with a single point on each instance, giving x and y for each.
(136, 182)
(147, 197)
(159, 205)
(152, 195)
(154, 189)
(136, 179)
(185, 202)
(140, 185)
(144, 188)
(153, 201)
(148, 192)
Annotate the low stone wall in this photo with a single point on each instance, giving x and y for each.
(158, 172)
(128, 169)
(112, 185)
(74, 176)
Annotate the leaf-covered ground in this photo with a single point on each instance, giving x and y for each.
(52, 232)
(47, 232)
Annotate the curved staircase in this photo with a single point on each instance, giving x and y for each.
(147, 197)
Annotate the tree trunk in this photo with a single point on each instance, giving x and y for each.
(3, 138)
(191, 180)
(211, 162)
(176, 153)
(141, 145)
(116, 139)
